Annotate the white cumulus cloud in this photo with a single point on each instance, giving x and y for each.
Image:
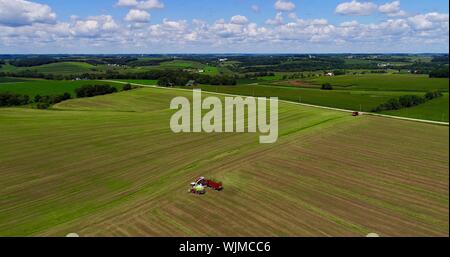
(21, 12)
(278, 20)
(356, 8)
(284, 6)
(143, 4)
(94, 26)
(239, 19)
(392, 9)
(139, 16)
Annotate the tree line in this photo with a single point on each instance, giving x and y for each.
(176, 77)
(182, 79)
(407, 101)
(8, 99)
(439, 73)
(30, 62)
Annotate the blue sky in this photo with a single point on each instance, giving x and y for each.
(233, 26)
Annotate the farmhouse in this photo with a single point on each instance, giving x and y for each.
(383, 65)
(330, 74)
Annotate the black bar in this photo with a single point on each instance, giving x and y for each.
(268, 246)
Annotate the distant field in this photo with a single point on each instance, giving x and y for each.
(351, 100)
(65, 68)
(385, 82)
(61, 68)
(436, 109)
(47, 87)
(8, 68)
(271, 78)
(11, 80)
(110, 166)
(344, 99)
(211, 70)
(182, 64)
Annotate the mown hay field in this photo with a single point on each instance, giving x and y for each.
(110, 166)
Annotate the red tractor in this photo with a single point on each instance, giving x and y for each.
(354, 114)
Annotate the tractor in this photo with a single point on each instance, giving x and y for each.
(197, 189)
(200, 184)
(209, 183)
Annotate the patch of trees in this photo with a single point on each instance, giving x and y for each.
(30, 62)
(440, 59)
(425, 67)
(378, 71)
(215, 80)
(11, 99)
(44, 102)
(258, 60)
(174, 79)
(94, 90)
(327, 86)
(406, 101)
(127, 87)
(433, 94)
(388, 59)
(259, 74)
(2, 63)
(339, 72)
(439, 73)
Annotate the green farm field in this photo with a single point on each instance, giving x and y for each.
(344, 99)
(358, 100)
(33, 87)
(59, 68)
(110, 166)
(436, 109)
(207, 69)
(4, 80)
(385, 82)
(353, 92)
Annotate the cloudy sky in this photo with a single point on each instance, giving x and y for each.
(223, 26)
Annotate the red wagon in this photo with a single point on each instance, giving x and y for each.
(209, 183)
(214, 185)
